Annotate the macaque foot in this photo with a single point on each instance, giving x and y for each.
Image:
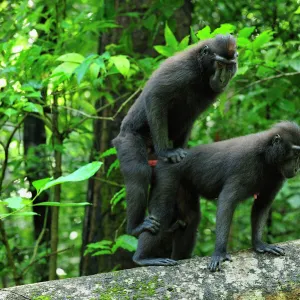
(174, 156)
(215, 263)
(150, 224)
(155, 262)
(179, 224)
(263, 247)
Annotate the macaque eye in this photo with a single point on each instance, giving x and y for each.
(205, 50)
(276, 139)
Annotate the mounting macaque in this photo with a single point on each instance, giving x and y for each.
(230, 170)
(160, 120)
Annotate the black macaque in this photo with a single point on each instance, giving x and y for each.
(160, 120)
(231, 171)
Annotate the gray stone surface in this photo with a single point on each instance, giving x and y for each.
(250, 276)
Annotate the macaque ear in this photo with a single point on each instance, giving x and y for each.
(276, 139)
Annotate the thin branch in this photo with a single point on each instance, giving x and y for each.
(44, 256)
(109, 182)
(6, 147)
(125, 102)
(265, 79)
(85, 114)
(40, 237)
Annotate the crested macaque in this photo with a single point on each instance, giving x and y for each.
(229, 171)
(160, 120)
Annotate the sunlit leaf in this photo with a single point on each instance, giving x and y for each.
(66, 68)
(71, 57)
(20, 214)
(126, 242)
(108, 152)
(82, 173)
(38, 184)
(224, 29)
(14, 202)
(170, 38)
(184, 43)
(164, 50)
(297, 11)
(33, 107)
(246, 32)
(10, 112)
(204, 33)
(122, 64)
(262, 39)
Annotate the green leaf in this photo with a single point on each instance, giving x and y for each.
(297, 12)
(71, 57)
(108, 152)
(66, 68)
(113, 166)
(102, 252)
(14, 202)
(287, 105)
(39, 184)
(224, 29)
(184, 43)
(82, 68)
(121, 194)
(10, 112)
(170, 38)
(103, 245)
(204, 33)
(20, 214)
(126, 242)
(62, 204)
(94, 70)
(242, 70)
(294, 201)
(82, 173)
(295, 64)
(246, 32)
(164, 50)
(34, 95)
(262, 39)
(33, 107)
(122, 64)
(150, 22)
(193, 36)
(243, 42)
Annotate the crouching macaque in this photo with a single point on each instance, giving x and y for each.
(231, 171)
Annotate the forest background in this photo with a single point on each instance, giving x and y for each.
(70, 70)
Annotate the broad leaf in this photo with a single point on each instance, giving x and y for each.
(14, 202)
(126, 242)
(170, 38)
(71, 57)
(122, 64)
(246, 32)
(204, 33)
(39, 184)
(224, 29)
(82, 173)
